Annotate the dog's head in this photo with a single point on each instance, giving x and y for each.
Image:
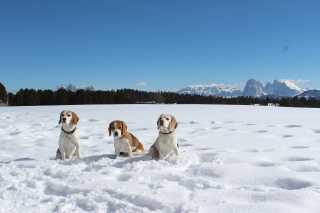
(67, 117)
(118, 128)
(167, 123)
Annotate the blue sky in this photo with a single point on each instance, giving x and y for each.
(158, 45)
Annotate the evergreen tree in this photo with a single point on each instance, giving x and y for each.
(3, 94)
(18, 98)
(11, 99)
(72, 98)
(61, 97)
(46, 97)
(284, 102)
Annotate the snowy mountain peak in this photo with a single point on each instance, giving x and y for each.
(212, 89)
(253, 88)
(285, 88)
(74, 88)
(289, 84)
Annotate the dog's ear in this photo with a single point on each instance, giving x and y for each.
(60, 118)
(75, 118)
(158, 123)
(124, 128)
(110, 128)
(173, 125)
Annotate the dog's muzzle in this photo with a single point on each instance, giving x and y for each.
(64, 120)
(116, 134)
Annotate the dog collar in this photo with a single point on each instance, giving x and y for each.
(71, 132)
(167, 133)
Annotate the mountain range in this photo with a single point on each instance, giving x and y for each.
(253, 88)
(74, 88)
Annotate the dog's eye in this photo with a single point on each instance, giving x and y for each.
(69, 115)
(167, 119)
(119, 127)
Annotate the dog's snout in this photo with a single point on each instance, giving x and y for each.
(161, 122)
(64, 119)
(116, 134)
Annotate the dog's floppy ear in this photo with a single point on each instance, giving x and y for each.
(75, 118)
(158, 123)
(60, 118)
(173, 125)
(110, 128)
(124, 128)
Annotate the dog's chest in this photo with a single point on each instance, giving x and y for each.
(122, 143)
(69, 140)
(166, 140)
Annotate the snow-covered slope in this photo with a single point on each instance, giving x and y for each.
(253, 88)
(233, 159)
(311, 93)
(213, 89)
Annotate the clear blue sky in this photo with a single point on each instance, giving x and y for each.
(167, 44)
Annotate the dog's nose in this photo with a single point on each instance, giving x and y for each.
(116, 134)
(64, 119)
(161, 122)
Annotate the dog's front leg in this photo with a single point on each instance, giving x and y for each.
(117, 151)
(63, 155)
(176, 150)
(161, 152)
(130, 151)
(78, 152)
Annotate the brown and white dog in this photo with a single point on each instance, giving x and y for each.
(69, 144)
(123, 140)
(166, 143)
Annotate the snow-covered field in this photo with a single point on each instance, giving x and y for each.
(233, 159)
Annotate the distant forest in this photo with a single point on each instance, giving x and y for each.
(31, 97)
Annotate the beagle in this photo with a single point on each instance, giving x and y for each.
(69, 144)
(166, 143)
(123, 140)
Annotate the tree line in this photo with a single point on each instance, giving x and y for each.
(32, 97)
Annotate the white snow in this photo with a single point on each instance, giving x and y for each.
(233, 159)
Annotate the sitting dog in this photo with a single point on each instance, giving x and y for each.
(123, 140)
(69, 144)
(166, 143)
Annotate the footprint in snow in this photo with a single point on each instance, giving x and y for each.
(93, 120)
(306, 169)
(215, 128)
(261, 131)
(293, 126)
(299, 147)
(292, 183)
(186, 144)
(204, 149)
(124, 177)
(84, 137)
(182, 140)
(296, 158)
(287, 136)
(139, 129)
(266, 164)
